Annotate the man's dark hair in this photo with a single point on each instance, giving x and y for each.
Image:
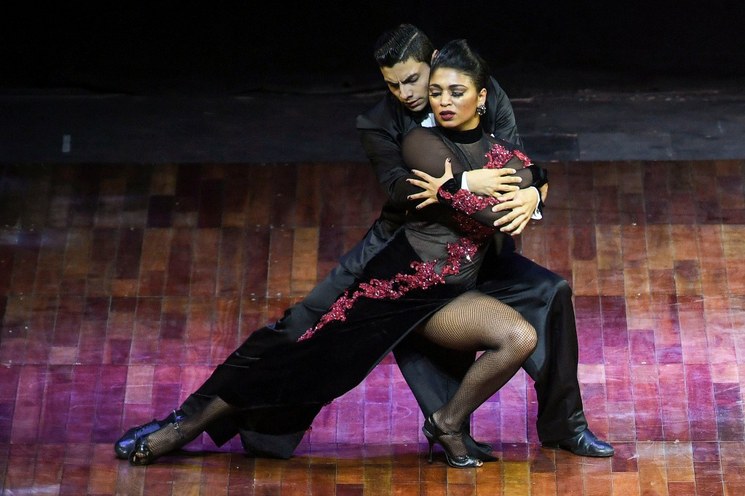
(401, 43)
(458, 55)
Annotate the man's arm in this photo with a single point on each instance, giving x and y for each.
(422, 149)
(384, 154)
(500, 117)
(521, 205)
(381, 130)
(516, 209)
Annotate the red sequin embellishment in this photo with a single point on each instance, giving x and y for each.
(498, 156)
(466, 202)
(424, 276)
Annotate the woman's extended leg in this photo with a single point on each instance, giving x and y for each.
(475, 321)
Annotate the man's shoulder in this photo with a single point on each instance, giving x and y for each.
(493, 86)
(388, 115)
(380, 115)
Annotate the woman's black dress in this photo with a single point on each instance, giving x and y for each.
(433, 259)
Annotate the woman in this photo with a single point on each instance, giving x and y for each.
(422, 281)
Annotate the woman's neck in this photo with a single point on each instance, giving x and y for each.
(462, 136)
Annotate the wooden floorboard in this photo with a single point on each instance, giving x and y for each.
(122, 287)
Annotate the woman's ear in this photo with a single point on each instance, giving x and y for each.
(482, 97)
(434, 54)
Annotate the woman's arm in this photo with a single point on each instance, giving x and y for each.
(426, 152)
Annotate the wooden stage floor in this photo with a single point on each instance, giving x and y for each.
(121, 287)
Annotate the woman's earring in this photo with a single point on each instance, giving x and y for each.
(481, 109)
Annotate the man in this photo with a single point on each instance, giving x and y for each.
(431, 372)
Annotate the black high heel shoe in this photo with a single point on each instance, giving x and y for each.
(434, 435)
(125, 445)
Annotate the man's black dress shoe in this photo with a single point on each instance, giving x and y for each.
(583, 444)
(124, 446)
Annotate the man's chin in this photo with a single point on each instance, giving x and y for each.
(416, 106)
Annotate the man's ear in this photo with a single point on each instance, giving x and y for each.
(434, 54)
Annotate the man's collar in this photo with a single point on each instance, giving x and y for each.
(428, 121)
(421, 115)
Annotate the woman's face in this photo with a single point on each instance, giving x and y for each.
(454, 97)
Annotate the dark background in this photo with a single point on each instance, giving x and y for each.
(240, 47)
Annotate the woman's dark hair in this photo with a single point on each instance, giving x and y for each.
(458, 55)
(401, 43)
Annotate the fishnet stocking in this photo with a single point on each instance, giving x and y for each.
(472, 322)
(174, 436)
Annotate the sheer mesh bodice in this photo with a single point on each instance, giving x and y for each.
(431, 229)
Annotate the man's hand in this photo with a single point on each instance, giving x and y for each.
(544, 192)
(430, 185)
(521, 205)
(492, 182)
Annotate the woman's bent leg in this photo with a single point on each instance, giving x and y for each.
(475, 321)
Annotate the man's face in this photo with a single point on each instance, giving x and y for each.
(408, 81)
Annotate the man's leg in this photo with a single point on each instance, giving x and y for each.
(545, 300)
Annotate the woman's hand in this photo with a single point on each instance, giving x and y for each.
(492, 182)
(430, 185)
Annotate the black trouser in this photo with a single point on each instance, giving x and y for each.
(544, 299)
(433, 373)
